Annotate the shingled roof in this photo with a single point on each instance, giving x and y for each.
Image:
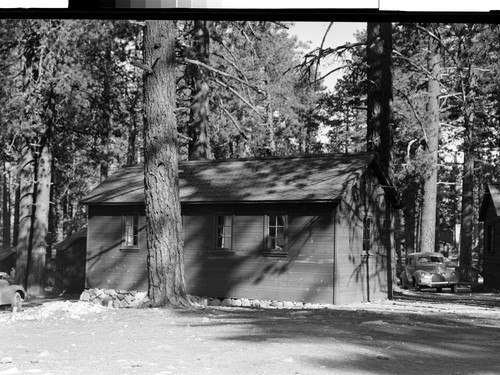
(319, 178)
(492, 192)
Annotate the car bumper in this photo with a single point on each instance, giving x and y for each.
(434, 284)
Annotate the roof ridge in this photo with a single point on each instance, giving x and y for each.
(261, 158)
(281, 157)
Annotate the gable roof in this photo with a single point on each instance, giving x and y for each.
(492, 194)
(318, 178)
(68, 241)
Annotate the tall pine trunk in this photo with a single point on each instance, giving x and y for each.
(379, 134)
(6, 207)
(25, 218)
(163, 211)
(429, 199)
(467, 211)
(37, 260)
(199, 147)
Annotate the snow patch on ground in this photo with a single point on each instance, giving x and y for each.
(58, 310)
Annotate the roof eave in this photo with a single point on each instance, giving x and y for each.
(294, 201)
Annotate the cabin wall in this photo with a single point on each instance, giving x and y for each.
(305, 274)
(491, 259)
(109, 264)
(364, 275)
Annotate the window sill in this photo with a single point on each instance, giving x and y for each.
(130, 249)
(221, 252)
(275, 253)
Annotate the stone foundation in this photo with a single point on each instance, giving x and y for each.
(115, 298)
(255, 303)
(134, 299)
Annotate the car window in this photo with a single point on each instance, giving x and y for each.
(430, 259)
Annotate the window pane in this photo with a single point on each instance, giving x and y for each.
(220, 220)
(224, 228)
(280, 220)
(281, 240)
(271, 243)
(272, 232)
(130, 235)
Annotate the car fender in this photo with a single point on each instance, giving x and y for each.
(452, 276)
(7, 293)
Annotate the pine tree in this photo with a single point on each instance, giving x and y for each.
(163, 210)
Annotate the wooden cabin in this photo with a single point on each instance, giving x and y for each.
(70, 263)
(306, 229)
(490, 215)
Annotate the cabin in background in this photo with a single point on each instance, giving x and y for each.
(307, 229)
(490, 215)
(70, 263)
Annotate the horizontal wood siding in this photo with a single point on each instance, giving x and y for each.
(354, 280)
(305, 274)
(491, 272)
(108, 264)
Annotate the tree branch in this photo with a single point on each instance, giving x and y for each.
(199, 63)
(238, 95)
(320, 51)
(142, 66)
(233, 120)
(408, 101)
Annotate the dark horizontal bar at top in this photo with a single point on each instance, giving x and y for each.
(98, 9)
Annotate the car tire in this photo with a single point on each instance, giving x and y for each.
(404, 280)
(17, 302)
(416, 286)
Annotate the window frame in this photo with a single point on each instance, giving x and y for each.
(216, 250)
(269, 252)
(135, 234)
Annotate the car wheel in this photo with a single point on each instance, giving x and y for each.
(404, 280)
(17, 302)
(439, 290)
(416, 286)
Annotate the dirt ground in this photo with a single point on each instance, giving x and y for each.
(416, 333)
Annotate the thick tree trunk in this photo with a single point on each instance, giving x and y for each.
(199, 147)
(467, 222)
(17, 202)
(107, 118)
(410, 211)
(163, 211)
(379, 134)
(429, 199)
(132, 139)
(6, 208)
(23, 242)
(36, 274)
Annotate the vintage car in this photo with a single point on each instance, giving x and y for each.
(428, 270)
(12, 295)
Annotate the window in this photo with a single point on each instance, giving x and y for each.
(490, 241)
(130, 231)
(224, 239)
(275, 234)
(367, 225)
